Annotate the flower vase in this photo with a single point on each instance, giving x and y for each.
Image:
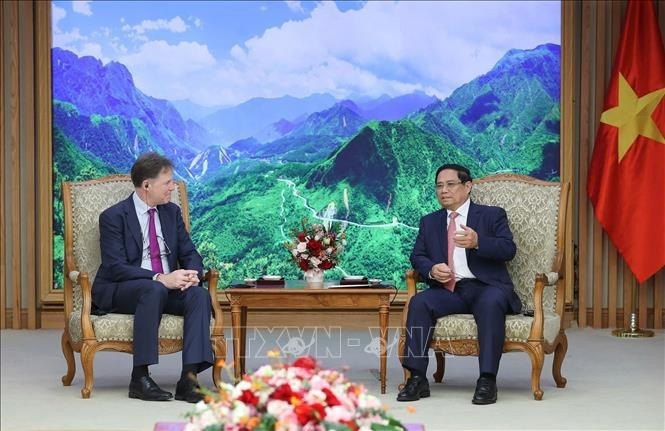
(314, 277)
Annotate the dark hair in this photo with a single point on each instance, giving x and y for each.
(463, 173)
(149, 166)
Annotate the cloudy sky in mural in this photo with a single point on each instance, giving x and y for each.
(224, 53)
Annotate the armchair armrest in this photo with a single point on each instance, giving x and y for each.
(542, 280)
(212, 277)
(86, 293)
(412, 279)
(74, 276)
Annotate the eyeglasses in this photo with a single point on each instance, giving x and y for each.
(450, 185)
(147, 254)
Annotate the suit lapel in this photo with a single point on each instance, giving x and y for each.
(472, 221)
(472, 218)
(442, 229)
(133, 222)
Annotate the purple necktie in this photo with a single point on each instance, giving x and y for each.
(450, 285)
(155, 253)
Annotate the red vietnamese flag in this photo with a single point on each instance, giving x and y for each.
(626, 182)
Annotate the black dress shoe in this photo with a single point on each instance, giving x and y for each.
(416, 387)
(187, 389)
(485, 391)
(144, 388)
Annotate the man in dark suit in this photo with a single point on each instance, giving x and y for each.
(149, 267)
(473, 280)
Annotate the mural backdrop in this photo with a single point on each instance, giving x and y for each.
(276, 111)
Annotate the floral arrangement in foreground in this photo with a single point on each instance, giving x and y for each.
(317, 246)
(296, 396)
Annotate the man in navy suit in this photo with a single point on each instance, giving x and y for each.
(149, 267)
(473, 280)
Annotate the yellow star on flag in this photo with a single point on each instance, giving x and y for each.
(633, 116)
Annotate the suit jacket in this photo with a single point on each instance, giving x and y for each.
(121, 242)
(495, 247)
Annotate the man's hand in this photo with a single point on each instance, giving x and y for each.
(466, 237)
(181, 279)
(441, 273)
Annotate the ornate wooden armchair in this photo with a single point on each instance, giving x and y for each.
(537, 215)
(86, 333)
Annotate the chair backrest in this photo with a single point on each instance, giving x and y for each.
(83, 203)
(536, 213)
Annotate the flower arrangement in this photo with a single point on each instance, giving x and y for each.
(317, 246)
(291, 397)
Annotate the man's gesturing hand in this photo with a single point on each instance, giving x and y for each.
(466, 237)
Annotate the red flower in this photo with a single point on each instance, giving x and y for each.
(314, 246)
(282, 392)
(248, 397)
(301, 237)
(309, 412)
(319, 412)
(306, 362)
(326, 264)
(303, 264)
(304, 413)
(331, 399)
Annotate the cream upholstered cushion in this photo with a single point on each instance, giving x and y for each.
(518, 327)
(119, 327)
(89, 200)
(532, 211)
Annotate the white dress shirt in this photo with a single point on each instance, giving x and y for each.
(143, 216)
(459, 255)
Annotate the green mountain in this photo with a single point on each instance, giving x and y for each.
(379, 162)
(507, 119)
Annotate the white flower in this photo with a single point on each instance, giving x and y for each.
(301, 247)
(318, 382)
(265, 371)
(278, 407)
(240, 411)
(366, 401)
(315, 261)
(337, 414)
(315, 396)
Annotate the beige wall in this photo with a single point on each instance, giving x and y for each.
(602, 288)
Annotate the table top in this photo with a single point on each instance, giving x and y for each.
(302, 285)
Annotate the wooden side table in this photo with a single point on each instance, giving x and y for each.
(295, 295)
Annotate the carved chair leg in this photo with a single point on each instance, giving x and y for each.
(217, 374)
(537, 357)
(69, 357)
(219, 347)
(87, 357)
(401, 346)
(559, 354)
(407, 374)
(440, 366)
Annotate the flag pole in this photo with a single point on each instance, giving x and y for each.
(633, 330)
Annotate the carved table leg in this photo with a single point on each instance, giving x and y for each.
(243, 339)
(383, 322)
(236, 323)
